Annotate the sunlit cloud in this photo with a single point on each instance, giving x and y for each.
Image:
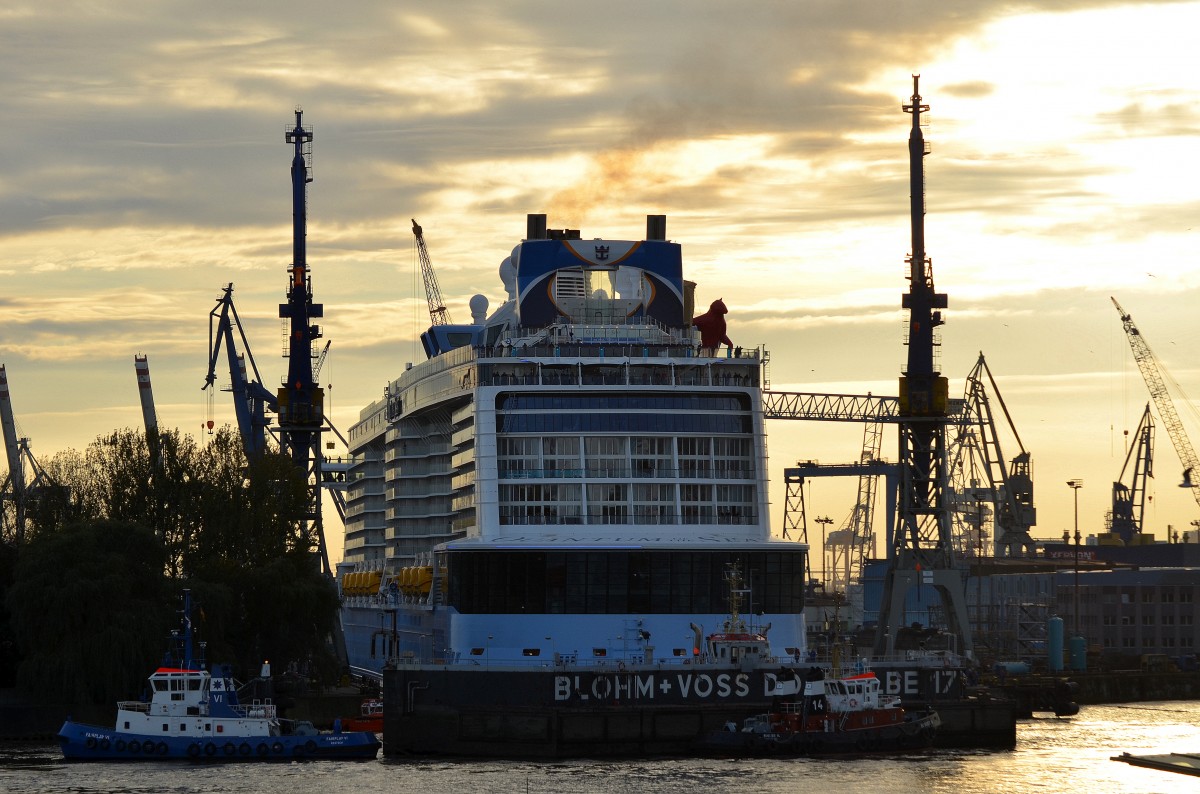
(146, 168)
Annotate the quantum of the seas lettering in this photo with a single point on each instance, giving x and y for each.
(651, 686)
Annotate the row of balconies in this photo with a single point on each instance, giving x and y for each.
(625, 473)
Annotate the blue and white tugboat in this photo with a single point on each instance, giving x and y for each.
(195, 714)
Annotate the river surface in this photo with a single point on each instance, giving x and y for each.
(1052, 755)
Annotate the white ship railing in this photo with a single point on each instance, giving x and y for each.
(631, 663)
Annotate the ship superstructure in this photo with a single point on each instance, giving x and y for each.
(566, 479)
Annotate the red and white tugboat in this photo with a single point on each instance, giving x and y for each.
(370, 717)
(815, 715)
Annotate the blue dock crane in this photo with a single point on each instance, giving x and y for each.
(923, 550)
(251, 399)
(300, 401)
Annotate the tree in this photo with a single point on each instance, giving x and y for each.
(230, 530)
(9, 658)
(90, 609)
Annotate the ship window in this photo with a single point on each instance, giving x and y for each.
(682, 582)
(531, 652)
(182, 727)
(477, 651)
(680, 651)
(599, 652)
(193, 684)
(166, 728)
(126, 724)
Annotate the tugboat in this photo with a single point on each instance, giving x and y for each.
(195, 714)
(370, 717)
(848, 714)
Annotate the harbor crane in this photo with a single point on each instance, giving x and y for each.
(977, 468)
(141, 367)
(922, 549)
(299, 402)
(1153, 373)
(15, 489)
(1129, 501)
(433, 293)
(250, 398)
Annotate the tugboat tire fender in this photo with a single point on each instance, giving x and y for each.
(310, 747)
(104, 744)
(230, 748)
(91, 742)
(210, 749)
(148, 747)
(194, 749)
(161, 749)
(263, 749)
(277, 748)
(120, 745)
(244, 748)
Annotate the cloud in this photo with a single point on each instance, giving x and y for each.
(144, 167)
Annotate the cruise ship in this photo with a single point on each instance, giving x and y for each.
(557, 529)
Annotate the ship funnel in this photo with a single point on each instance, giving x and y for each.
(656, 227)
(535, 226)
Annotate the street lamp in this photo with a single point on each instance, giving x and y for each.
(1075, 485)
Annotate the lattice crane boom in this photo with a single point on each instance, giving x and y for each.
(1152, 373)
(250, 398)
(433, 293)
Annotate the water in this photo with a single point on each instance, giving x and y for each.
(1052, 755)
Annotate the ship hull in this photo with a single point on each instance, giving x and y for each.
(914, 734)
(636, 712)
(82, 742)
(564, 713)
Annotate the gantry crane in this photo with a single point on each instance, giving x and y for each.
(1129, 501)
(850, 544)
(433, 293)
(1152, 373)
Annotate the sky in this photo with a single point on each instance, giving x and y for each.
(143, 167)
